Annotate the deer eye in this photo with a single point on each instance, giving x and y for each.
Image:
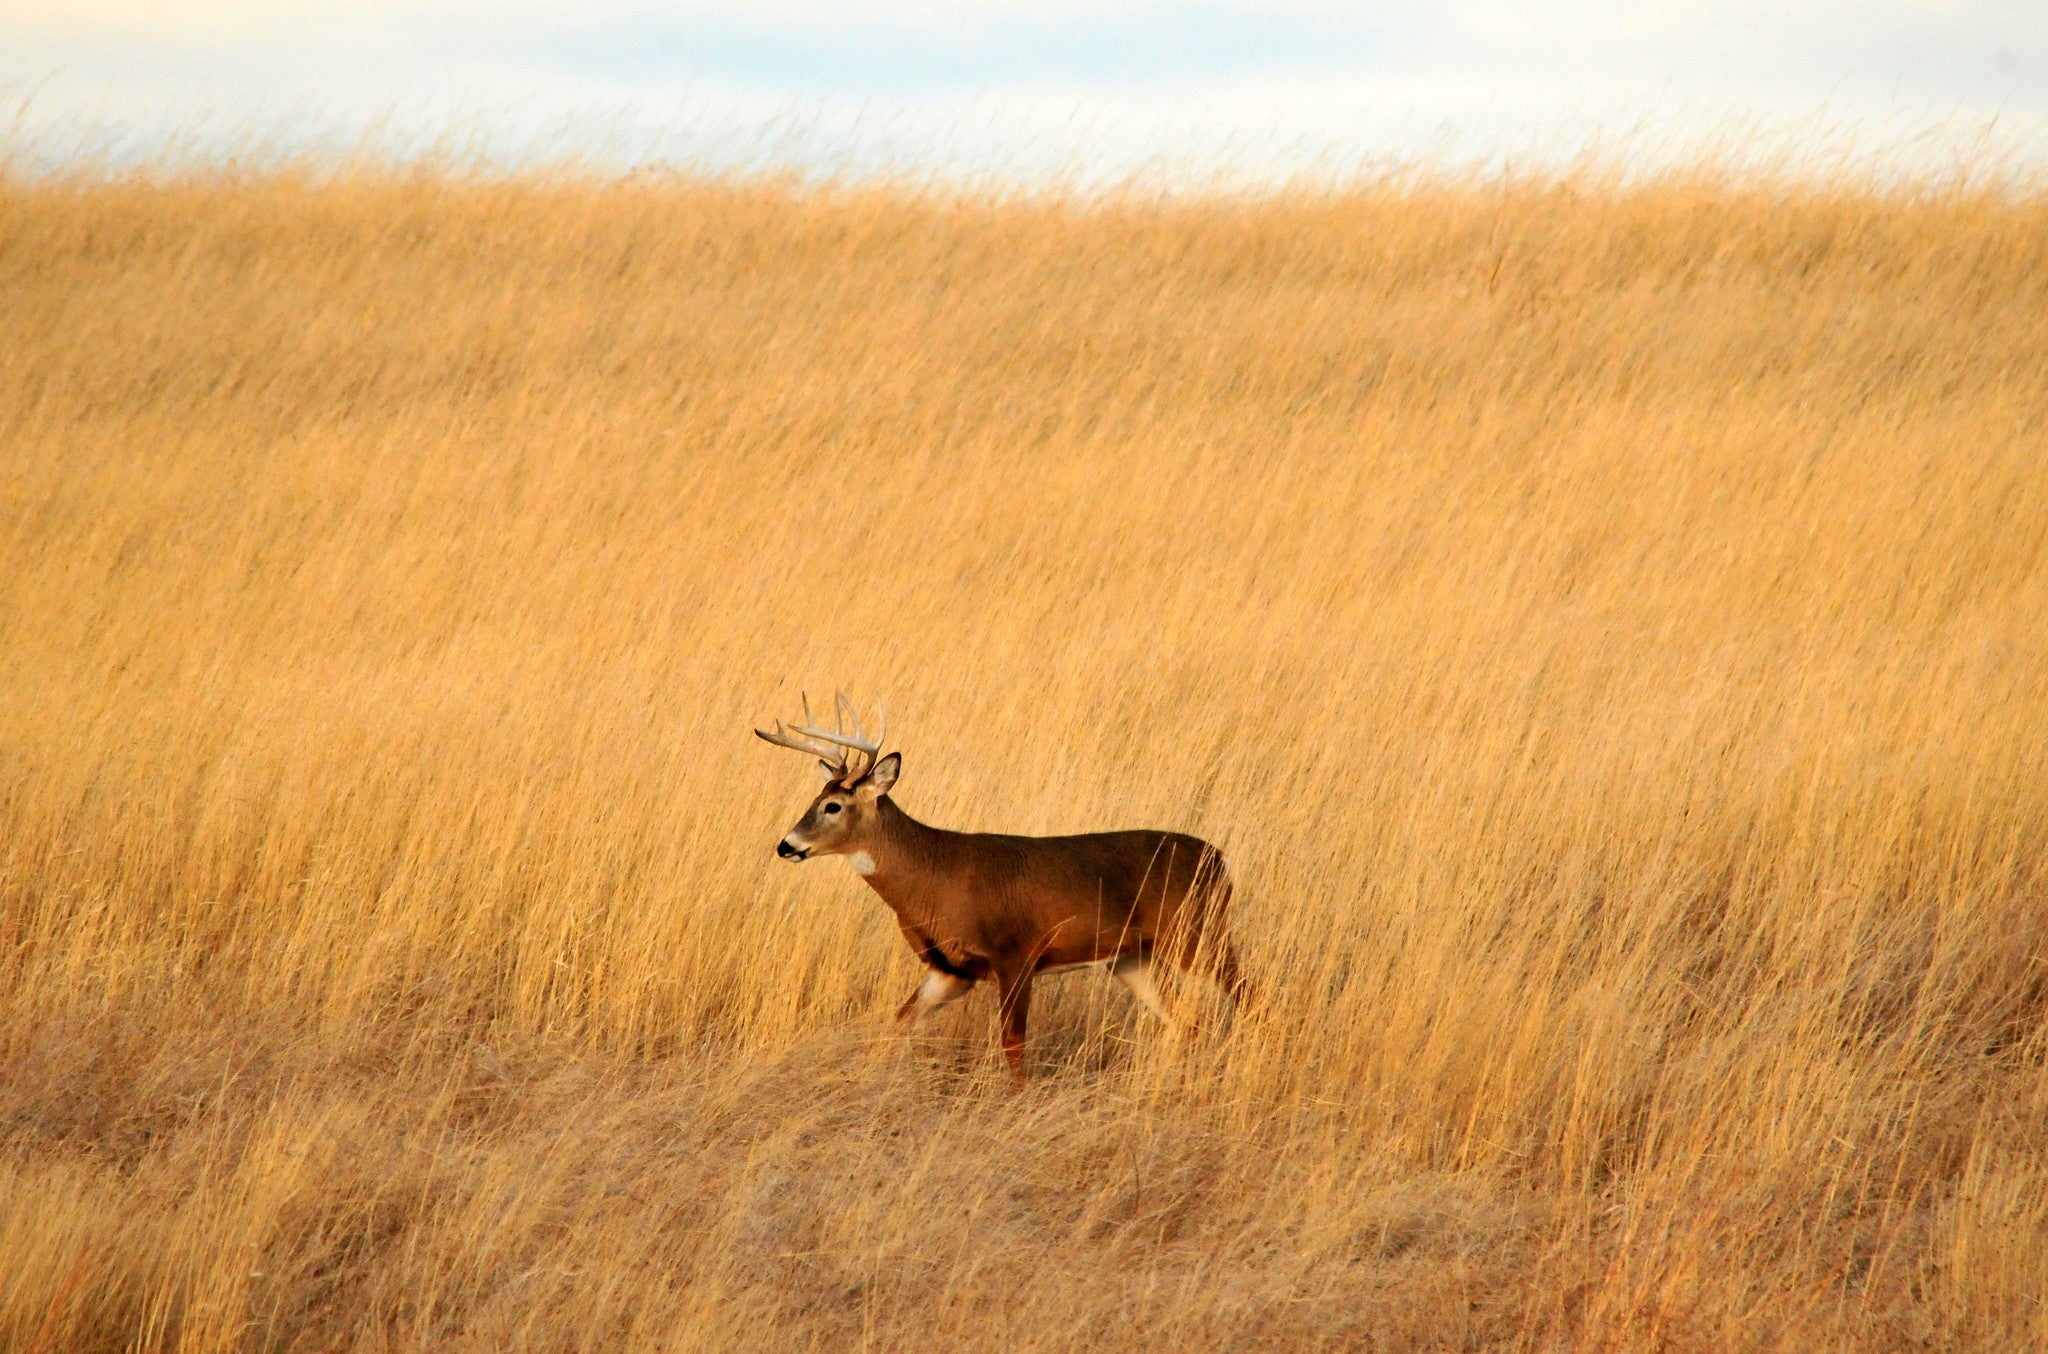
(832, 808)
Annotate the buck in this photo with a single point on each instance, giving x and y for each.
(977, 906)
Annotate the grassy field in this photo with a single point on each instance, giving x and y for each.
(1606, 626)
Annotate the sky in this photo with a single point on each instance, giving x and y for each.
(1067, 87)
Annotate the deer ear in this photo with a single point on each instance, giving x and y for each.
(885, 773)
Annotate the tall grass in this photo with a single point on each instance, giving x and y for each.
(1607, 628)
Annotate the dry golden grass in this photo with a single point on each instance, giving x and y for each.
(1604, 625)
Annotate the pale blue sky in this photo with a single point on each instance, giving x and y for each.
(1064, 84)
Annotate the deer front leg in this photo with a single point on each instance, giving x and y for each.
(935, 991)
(1015, 990)
(1134, 971)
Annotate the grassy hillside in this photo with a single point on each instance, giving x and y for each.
(1606, 627)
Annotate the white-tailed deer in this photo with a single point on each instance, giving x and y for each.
(979, 905)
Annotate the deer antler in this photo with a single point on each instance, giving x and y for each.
(851, 756)
(861, 754)
(834, 757)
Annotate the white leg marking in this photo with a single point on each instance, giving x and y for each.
(862, 863)
(1135, 972)
(938, 989)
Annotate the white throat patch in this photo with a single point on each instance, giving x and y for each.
(862, 863)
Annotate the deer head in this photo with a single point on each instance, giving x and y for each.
(856, 778)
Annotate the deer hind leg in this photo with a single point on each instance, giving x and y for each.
(937, 989)
(1016, 1010)
(1231, 978)
(1134, 971)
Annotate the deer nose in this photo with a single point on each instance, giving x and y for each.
(788, 852)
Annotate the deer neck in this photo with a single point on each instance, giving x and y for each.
(897, 855)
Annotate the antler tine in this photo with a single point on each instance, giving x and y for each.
(882, 719)
(848, 710)
(872, 751)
